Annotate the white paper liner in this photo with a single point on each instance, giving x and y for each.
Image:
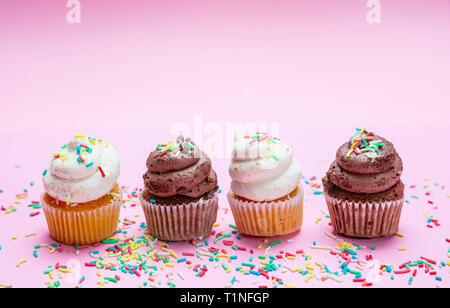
(182, 222)
(269, 218)
(83, 227)
(364, 219)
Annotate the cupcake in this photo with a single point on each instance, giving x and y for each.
(180, 196)
(82, 198)
(363, 189)
(266, 197)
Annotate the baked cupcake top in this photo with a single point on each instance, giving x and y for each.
(83, 170)
(179, 168)
(263, 168)
(367, 163)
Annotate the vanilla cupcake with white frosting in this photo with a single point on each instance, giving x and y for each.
(82, 198)
(266, 197)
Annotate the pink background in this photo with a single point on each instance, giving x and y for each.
(132, 69)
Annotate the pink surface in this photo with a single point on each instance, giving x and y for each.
(130, 71)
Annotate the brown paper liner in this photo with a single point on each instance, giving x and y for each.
(364, 219)
(270, 218)
(180, 222)
(83, 225)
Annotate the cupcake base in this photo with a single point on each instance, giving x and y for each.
(181, 222)
(364, 219)
(270, 218)
(364, 215)
(83, 223)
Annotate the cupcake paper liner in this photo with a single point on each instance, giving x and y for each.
(269, 218)
(364, 219)
(82, 227)
(181, 222)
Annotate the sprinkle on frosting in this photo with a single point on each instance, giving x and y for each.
(363, 142)
(180, 144)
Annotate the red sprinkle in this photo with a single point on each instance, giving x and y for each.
(101, 171)
(429, 260)
(402, 271)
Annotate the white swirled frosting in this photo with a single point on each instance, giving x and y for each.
(84, 170)
(263, 168)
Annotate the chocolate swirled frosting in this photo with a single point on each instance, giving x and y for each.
(179, 172)
(367, 167)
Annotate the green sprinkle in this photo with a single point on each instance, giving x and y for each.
(276, 158)
(248, 264)
(111, 279)
(110, 241)
(34, 253)
(44, 173)
(232, 226)
(274, 243)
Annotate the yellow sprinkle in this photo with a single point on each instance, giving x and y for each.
(402, 249)
(21, 262)
(67, 202)
(321, 247)
(173, 254)
(217, 224)
(288, 285)
(65, 270)
(260, 246)
(399, 234)
(30, 234)
(318, 219)
(98, 274)
(330, 235)
(290, 257)
(349, 152)
(14, 237)
(311, 275)
(170, 265)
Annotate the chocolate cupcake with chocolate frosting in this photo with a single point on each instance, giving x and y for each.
(363, 189)
(180, 196)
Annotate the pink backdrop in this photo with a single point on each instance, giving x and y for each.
(130, 70)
